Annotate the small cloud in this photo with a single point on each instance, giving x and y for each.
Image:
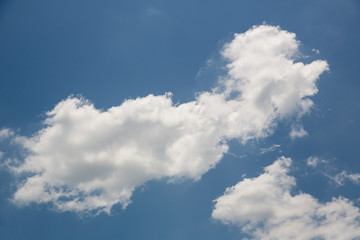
(209, 62)
(338, 178)
(269, 149)
(355, 178)
(298, 132)
(334, 174)
(341, 177)
(313, 161)
(6, 133)
(316, 51)
(236, 155)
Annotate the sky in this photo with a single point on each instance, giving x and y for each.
(179, 119)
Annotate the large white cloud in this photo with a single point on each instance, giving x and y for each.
(265, 209)
(86, 159)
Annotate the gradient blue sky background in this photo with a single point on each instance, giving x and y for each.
(109, 51)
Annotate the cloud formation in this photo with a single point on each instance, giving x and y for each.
(342, 176)
(331, 172)
(314, 161)
(265, 209)
(86, 159)
(297, 132)
(6, 133)
(269, 149)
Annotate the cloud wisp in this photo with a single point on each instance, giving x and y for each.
(264, 208)
(334, 174)
(272, 148)
(314, 161)
(344, 175)
(87, 160)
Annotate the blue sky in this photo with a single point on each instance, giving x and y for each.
(175, 155)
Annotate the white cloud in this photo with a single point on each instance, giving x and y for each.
(331, 172)
(263, 70)
(269, 149)
(6, 133)
(264, 208)
(342, 176)
(354, 177)
(85, 159)
(316, 51)
(314, 161)
(297, 132)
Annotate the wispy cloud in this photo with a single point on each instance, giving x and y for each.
(264, 208)
(314, 161)
(334, 174)
(269, 149)
(341, 177)
(87, 160)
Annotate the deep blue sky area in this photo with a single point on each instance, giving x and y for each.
(109, 51)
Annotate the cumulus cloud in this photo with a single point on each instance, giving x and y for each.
(264, 208)
(86, 159)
